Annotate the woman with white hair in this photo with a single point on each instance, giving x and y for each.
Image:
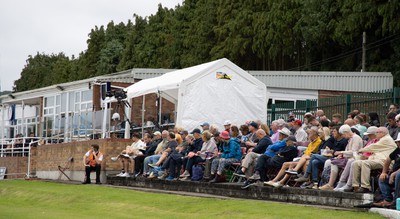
(354, 144)
(275, 126)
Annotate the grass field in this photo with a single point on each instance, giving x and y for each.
(36, 199)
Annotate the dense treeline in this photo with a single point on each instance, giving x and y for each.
(254, 34)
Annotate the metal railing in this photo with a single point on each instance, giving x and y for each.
(365, 102)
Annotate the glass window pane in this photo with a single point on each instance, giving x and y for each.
(58, 100)
(86, 95)
(77, 97)
(63, 102)
(71, 101)
(48, 101)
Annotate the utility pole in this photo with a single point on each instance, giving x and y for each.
(364, 51)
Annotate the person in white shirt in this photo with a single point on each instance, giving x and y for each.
(127, 156)
(300, 134)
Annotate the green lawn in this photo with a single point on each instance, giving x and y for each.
(36, 199)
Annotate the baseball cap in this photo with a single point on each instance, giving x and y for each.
(227, 122)
(205, 124)
(254, 124)
(157, 133)
(292, 138)
(297, 122)
(195, 131)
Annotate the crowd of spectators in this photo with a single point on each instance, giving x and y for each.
(312, 152)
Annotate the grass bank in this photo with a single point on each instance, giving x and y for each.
(37, 199)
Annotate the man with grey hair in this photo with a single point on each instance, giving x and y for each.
(381, 151)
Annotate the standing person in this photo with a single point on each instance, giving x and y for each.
(92, 161)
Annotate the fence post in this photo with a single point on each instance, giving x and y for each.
(272, 112)
(395, 95)
(348, 103)
(308, 105)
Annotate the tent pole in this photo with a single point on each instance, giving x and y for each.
(159, 109)
(128, 112)
(160, 112)
(104, 125)
(23, 118)
(143, 105)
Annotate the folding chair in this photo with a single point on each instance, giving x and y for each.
(236, 166)
(66, 167)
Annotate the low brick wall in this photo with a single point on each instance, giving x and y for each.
(45, 159)
(293, 195)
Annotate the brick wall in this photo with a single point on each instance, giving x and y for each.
(17, 166)
(151, 110)
(49, 157)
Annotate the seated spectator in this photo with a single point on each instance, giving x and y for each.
(294, 167)
(92, 161)
(337, 119)
(300, 134)
(265, 163)
(170, 147)
(381, 151)
(252, 139)
(126, 156)
(250, 158)
(392, 125)
(244, 130)
(313, 147)
(354, 144)
(374, 119)
(151, 146)
(205, 126)
(178, 137)
(275, 126)
(172, 165)
(346, 178)
(264, 126)
(390, 178)
(328, 147)
(358, 120)
(157, 153)
(231, 153)
(208, 149)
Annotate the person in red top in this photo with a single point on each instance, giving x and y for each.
(92, 161)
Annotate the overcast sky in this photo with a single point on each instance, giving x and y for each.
(53, 26)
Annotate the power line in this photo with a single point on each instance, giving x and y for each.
(349, 53)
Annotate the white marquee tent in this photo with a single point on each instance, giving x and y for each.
(201, 95)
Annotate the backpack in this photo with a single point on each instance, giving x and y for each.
(326, 174)
(197, 173)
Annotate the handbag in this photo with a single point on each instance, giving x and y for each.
(340, 162)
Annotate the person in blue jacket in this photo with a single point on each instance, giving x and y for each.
(231, 154)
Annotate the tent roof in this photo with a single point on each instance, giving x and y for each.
(169, 82)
